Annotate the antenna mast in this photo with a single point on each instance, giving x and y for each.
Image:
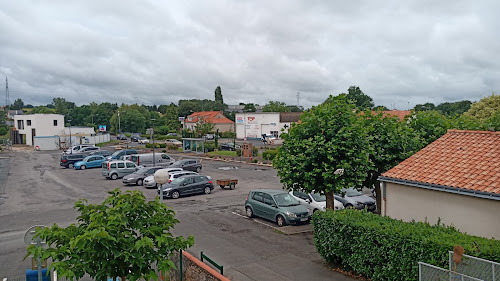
(298, 99)
(7, 98)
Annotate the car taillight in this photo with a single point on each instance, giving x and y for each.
(169, 180)
(210, 182)
(64, 161)
(108, 165)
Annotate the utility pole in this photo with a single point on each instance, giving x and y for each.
(154, 162)
(70, 144)
(298, 99)
(7, 98)
(119, 125)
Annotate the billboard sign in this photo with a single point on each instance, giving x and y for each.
(102, 128)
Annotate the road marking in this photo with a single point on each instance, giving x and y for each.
(255, 220)
(240, 215)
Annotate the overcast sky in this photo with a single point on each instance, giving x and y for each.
(400, 53)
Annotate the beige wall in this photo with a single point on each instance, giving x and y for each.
(224, 127)
(476, 216)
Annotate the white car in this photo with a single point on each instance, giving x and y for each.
(314, 201)
(150, 180)
(143, 140)
(173, 142)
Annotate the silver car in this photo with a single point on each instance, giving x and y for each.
(149, 181)
(117, 169)
(352, 198)
(314, 201)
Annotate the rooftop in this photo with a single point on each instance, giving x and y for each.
(467, 160)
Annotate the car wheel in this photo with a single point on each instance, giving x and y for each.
(315, 210)
(139, 182)
(175, 194)
(70, 166)
(114, 176)
(280, 220)
(207, 190)
(83, 167)
(349, 206)
(249, 212)
(198, 169)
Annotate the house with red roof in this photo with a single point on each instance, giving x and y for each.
(217, 118)
(455, 179)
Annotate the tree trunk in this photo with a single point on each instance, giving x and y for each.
(330, 200)
(378, 193)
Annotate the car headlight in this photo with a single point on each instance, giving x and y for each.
(359, 203)
(165, 189)
(290, 214)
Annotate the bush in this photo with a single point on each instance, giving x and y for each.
(255, 151)
(269, 155)
(238, 152)
(3, 131)
(157, 145)
(228, 135)
(255, 161)
(172, 147)
(210, 146)
(382, 248)
(164, 151)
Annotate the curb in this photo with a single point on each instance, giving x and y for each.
(242, 162)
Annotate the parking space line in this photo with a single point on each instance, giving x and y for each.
(268, 225)
(240, 215)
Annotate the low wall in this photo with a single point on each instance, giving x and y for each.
(95, 139)
(193, 269)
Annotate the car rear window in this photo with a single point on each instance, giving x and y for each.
(113, 166)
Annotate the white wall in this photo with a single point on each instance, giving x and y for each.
(254, 124)
(476, 216)
(42, 123)
(82, 131)
(47, 143)
(95, 139)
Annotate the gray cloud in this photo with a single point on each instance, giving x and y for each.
(399, 53)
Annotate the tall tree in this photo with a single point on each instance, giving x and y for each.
(327, 151)
(424, 107)
(360, 99)
(17, 105)
(430, 125)
(249, 107)
(218, 95)
(121, 237)
(275, 106)
(62, 106)
(454, 108)
(485, 108)
(130, 120)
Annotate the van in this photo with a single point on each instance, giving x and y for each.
(117, 169)
(161, 159)
(120, 153)
(76, 148)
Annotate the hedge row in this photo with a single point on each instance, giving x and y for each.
(382, 248)
(270, 154)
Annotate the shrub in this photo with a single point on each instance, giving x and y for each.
(210, 146)
(382, 248)
(255, 161)
(269, 155)
(3, 131)
(157, 145)
(238, 152)
(255, 151)
(172, 147)
(164, 151)
(228, 135)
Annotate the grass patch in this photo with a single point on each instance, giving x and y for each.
(222, 153)
(109, 143)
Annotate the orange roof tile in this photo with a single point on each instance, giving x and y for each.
(461, 159)
(215, 117)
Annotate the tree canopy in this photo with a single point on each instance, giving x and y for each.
(121, 237)
(485, 108)
(327, 151)
(275, 106)
(360, 99)
(17, 105)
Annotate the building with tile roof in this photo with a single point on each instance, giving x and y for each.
(217, 118)
(455, 178)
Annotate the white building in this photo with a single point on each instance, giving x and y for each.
(253, 125)
(31, 125)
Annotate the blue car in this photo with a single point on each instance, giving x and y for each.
(92, 161)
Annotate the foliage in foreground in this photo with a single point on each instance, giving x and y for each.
(382, 248)
(121, 237)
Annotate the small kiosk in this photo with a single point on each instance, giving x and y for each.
(193, 145)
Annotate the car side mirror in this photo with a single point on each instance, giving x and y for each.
(308, 201)
(274, 205)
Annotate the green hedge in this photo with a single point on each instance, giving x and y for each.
(382, 248)
(269, 154)
(157, 145)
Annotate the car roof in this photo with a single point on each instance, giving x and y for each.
(181, 172)
(270, 191)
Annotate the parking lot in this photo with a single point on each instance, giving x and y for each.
(40, 192)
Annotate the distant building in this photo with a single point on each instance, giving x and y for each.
(221, 122)
(252, 125)
(239, 108)
(10, 116)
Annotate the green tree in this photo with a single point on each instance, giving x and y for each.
(249, 107)
(275, 106)
(131, 120)
(42, 110)
(381, 108)
(172, 117)
(203, 128)
(327, 151)
(62, 106)
(424, 107)
(218, 95)
(430, 125)
(121, 237)
(17, 105)
(485, 108)
(360, 99)
(454, 108)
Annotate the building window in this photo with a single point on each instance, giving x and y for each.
(20, 124)
(28, 122)
(55, 122)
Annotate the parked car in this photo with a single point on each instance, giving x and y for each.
(120, 153)
(135, 138)
(87, 150)
(186, 185)
(117, 169)
(150, 182)
(161, 159)
(188, 164)
(68, 160)
(143, 140)
(121, 137)
(172, 134)
(104, 153)
(352, 198)
(173, 142)
(209, 136)
(229, 146)
(92, 161)
(276, 205)
(138, 176)
(314, 201)
(76, 148)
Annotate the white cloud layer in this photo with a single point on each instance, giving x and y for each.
(401, 53)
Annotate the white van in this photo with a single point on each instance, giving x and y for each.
(147, 158)
(76, 148)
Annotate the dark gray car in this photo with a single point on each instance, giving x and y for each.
(138, 176)
(352, 198)
(188, 164)
(187, 185)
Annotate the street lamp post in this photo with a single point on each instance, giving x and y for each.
(70, 145)
(119, 125)
(154, 162)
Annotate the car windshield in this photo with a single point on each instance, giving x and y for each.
(318, 197)
(116, 153)
(351, 192)
(285, 200)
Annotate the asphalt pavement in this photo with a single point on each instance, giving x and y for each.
(38, 191)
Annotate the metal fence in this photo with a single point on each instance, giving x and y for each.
(479, 268)
(428, 272)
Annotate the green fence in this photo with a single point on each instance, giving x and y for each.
(219, 267)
